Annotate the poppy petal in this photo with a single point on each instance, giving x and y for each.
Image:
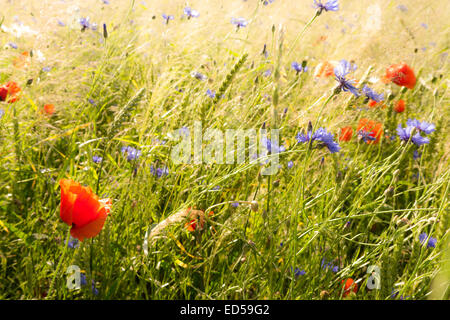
(67, 200)
(85, 207)
(90, 229)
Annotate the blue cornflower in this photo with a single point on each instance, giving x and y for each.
(197, 75)
(431, 243)
(216, 188)
(167, 18)
(235, 204)
(94, 290)
(191, 13)
(84, 22)
(46, 69)
(330, 5)
(424, 126)
(372, 95)
(271, 146)
(298, 272)
(105, 1)
(73, 243)
(340, 71)
(2, 113)
(302, 138)
(424, 25)
(266, 2)
(12, 45)
(97, 159)
(395, 293)
(83, 281)
(211, 93)
(159, 172)
(405, 135)
(61, 24)
(328, 265)
(416, 155)
(298, 67)
(290, 164)
(321, 134)
(422, 237)
(239, 22)
(184, 131)
(92, 101)
(267, 73)
(324, 264)
(132, 153)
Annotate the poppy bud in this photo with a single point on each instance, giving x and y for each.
(105, 32)
(389, 192)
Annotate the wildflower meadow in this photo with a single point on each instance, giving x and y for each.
(224, 150)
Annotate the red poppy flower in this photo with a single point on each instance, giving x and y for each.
(372, 103)
(400, 106)
(349, 286)
(49, 109)
(371, 129)
(10, 89)
(196, 216)
(346, 134)
(401, 74)
(82, 210)
(324, 69)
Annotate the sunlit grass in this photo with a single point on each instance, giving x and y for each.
(366, 205)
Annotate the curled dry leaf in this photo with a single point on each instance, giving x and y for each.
(195, 218)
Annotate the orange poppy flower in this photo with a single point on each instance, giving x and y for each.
(400, 106)
(49, 109)
(82, 210)
(196, 216)
(324, 69)
(349, 286)
(372, 103)
(371, 130)
(10, 89)
(22, 61)
(401, 74)
(346, 134)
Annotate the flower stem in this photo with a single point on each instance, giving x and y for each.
(52, 284)
(302, 32)
(294, 218)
